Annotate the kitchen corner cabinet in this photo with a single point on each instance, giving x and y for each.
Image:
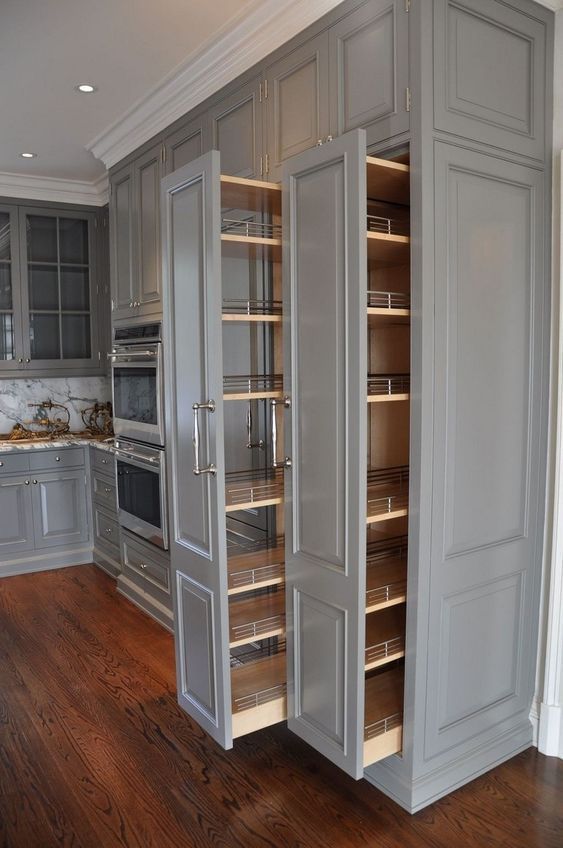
(50, 315)
(135, 236)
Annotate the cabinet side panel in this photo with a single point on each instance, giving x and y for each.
(197, 654)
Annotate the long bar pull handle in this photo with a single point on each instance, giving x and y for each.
(286, 403)
(249, 443)
(210, 469)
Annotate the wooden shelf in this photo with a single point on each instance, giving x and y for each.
(250, 490)
(251, 247)
(386, 250)
(270, 319)
(387, 398)
(383, 718)
(253, 195)
(259, 694)
(278, 394)
(255, 570)
(256, 618)
(386, 584)
(387, 181)
(378, 317)
(386, 507)
(385, 637)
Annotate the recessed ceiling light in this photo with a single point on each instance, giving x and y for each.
(28, 155)
(86, 88)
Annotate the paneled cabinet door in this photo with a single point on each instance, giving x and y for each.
(187, 143)
(16, 524)
(59, 508)
(193, 369)
(11, 334)
(121, 230)
(296, 103)
(369, 62)
(147, 173)
(236, 131)
(325, 349)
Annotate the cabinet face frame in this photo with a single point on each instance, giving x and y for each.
(7, 365)
(147, 290)
(121, 291)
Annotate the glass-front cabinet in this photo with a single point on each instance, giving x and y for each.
(48, 290)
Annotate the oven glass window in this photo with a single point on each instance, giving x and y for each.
(139, 493)
(135, 394)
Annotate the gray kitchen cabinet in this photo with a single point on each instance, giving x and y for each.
(236, 131)
(105, 526)
(50, 315)
(59, 508)
(491, 75)
(186, 143)
(16, 519)
(135, 236)
(369, 70)
(145, 577)
(295, 100)
(122, 249)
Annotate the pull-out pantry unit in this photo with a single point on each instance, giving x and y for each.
(356, 369)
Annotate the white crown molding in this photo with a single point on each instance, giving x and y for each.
(231, 52)
(554, 5)
(28, 187)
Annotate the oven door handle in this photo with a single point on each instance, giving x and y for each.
(137, 354)
(197, 469)
(148, 460)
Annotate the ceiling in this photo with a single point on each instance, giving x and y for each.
(124, 47)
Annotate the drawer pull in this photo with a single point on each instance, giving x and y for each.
(142, 565)
(107, 490)
(35, 482)
(1, 464)
(104, 462)
(26, 482)
(57, 459)
(108, 530)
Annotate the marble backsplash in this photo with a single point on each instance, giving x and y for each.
(76, 393)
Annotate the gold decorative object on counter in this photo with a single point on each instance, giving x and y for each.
(98, 419)
(43, 425)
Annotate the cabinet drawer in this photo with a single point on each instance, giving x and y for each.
(106, 532)
(104, 491)
(103, 461)
(146, 568)
(14, 463)
(54, 459)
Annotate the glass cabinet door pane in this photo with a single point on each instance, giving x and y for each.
(43, 287)
(44, 336)
(5, 285)
(41, 238)
(5, 247)
(73, 235)
(76, 337)
(75, 289)
(6, 336)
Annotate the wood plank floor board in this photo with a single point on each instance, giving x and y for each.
(94, 751)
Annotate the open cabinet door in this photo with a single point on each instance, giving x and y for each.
(194, 441)
(325, 349)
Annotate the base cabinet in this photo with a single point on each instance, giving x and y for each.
(59, 509)
(16, 520)
(145, 577)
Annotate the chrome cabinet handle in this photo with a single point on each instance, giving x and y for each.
(26, 482)
(57, 459)
(108, 530)
(104, 462)
(1, 464)
(249, 443)
(142, 565)
(107, 490)
(28, 359)
(35, 482)
(20, 358)
(210, 469)
(286, 403)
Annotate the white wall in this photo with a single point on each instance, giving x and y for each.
(550, 655)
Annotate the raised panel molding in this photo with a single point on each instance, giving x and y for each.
(196, 641)
(319, 686)
(478, 622)
(500, 103)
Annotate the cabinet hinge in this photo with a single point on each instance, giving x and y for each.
(408, 99)
(407, 5)
(267, 169)
(260, 92)
(265, 89)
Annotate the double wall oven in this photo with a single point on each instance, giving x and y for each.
(137, 388)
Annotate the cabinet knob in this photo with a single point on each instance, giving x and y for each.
(26, 482)
(20, 358)
(1, 464)
(57, 459)
(329, 138)
(28, 359)
(142, 565)
(108, 530)
(35, 482)
(319, 142)
(104, 462)
(107, 490)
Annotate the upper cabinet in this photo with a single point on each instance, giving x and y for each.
(296, 103)
(49, 287)
(135, 236)
(236, 131)
(368, 57)
(500, 103)
(186, 143)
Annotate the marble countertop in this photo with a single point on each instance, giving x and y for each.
(70, 441)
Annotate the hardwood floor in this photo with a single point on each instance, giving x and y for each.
(95, 752)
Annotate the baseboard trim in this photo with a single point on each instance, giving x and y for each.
(550, 736)
(430, 787)
(145, 602)
(45, 561)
